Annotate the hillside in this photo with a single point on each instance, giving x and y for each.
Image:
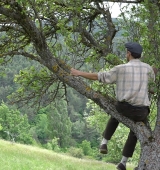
(24, 157)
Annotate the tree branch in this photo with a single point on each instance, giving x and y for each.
(27, 55)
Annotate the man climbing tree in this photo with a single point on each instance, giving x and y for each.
(132, 82)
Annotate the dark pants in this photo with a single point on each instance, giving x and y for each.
(135, 113)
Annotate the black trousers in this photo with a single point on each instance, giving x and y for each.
(135, 113)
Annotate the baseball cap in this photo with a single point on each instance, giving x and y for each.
(134, 47)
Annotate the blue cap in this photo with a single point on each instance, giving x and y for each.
(134, 47)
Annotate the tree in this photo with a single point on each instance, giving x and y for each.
(8, 86)
(41, 128)
(59, 123)
(15, 126)
(42, 31)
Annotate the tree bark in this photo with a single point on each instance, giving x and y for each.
(150, 155)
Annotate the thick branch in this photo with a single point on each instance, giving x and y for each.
(27, 55)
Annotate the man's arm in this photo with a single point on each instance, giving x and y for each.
(90, 76)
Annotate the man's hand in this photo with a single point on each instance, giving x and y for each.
(75, 72)
(90, 76)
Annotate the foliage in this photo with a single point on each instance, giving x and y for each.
(96, 117)
(51, 123)
(41, 127)
(1, 127)
(53, 145)
(33, 80)
(76, 152)
(59, 123)
(86, 147)
(7, 84)
(15, 126)
(76, 104)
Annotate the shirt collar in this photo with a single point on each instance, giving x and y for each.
(134, 60)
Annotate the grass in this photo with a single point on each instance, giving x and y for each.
(23, 157)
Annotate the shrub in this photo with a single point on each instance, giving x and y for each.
(76, 152)
(48, 146)
(86, 147)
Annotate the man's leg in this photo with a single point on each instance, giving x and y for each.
(136, 114)
(128, 150)
(130, 145)
(107, 134)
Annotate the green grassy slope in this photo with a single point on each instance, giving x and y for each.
(24, 157)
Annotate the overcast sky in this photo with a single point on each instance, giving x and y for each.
(115, 8)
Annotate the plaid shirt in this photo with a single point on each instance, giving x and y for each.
(132, 81)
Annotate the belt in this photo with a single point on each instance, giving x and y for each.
(126, 103)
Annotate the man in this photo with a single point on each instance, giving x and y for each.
(132, 80)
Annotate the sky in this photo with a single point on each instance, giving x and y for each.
(115, 8)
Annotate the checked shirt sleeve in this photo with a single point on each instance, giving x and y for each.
(108, 77)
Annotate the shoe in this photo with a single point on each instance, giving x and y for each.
(103, 149)
(121, 167)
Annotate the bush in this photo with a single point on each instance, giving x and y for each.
(86, 147)
(76, 152)
(48, 146)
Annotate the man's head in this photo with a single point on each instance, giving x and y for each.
(134, 49)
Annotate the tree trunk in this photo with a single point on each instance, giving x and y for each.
(150, 142)
(150, 156)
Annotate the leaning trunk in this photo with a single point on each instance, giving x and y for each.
(150, 156)
(150, 146)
